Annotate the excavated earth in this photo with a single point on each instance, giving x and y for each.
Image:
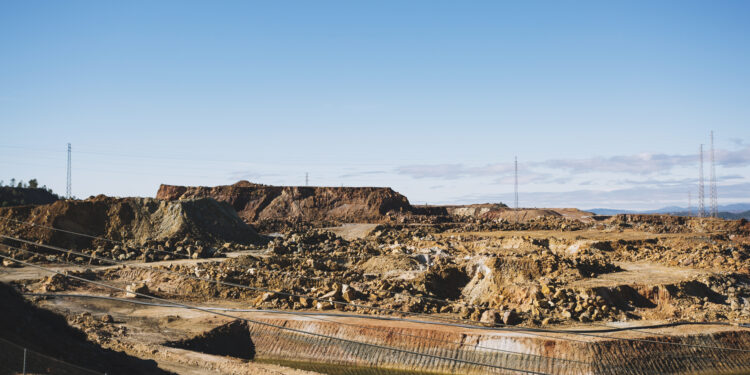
(127, 229)
(274, 207)
(255, 202)
(482, 289)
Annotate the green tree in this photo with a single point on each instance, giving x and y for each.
(33, 183)
(12, 182)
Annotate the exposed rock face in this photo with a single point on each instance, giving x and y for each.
(255, 202)
(136, 219)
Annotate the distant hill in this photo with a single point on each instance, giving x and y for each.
(730, 211)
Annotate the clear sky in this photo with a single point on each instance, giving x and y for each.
(605, 103)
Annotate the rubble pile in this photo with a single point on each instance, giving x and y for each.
(149, 229)
(461, 270)
(676, 224)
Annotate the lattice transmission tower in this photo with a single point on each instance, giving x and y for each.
(515, 186)
(68, 189)
(714, 194)
(701, 196)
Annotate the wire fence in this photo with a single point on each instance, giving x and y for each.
(16, 359)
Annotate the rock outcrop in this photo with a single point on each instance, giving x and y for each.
(137, 220)
(255, 202)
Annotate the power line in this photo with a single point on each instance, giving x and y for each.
(701, 194)
(496, 327)
(231, 284)
(113, 261)
(447, 302)
(530, 330)
(714, 195)
(68, 189)
(316, 316)
(270, 325)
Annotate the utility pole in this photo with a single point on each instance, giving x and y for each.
(68, 192)
(307, 179)
(690, 203)
(515, 188)
(701, 195)
(714, 195)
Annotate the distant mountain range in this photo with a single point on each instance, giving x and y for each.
(730, 211)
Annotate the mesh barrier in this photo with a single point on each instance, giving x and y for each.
(14, 359)
(382, 354)
(334, 352)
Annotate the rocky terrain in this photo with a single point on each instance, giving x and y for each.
(47, 333)
(273, 207)
(484, 266)
(128, 228)
(255, 202)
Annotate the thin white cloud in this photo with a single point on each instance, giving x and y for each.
(626, 198)
(359, 174)
(250, 175)
(676, 181)
(640, 164)
(453, 171)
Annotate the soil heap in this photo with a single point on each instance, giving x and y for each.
(136, 220)
(255, 202)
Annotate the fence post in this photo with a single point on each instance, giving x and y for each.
(24, 361)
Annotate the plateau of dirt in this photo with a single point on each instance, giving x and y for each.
(255, 202)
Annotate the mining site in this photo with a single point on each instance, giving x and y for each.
(390, 187)
(258, 279)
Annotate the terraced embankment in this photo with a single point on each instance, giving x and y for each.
(412, 348)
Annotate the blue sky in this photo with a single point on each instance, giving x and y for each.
(604, 103)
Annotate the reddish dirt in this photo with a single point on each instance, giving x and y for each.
(255, 202)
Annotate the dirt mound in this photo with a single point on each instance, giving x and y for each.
(390, 264)
(136, 220)
(48, 333)
(254, 202)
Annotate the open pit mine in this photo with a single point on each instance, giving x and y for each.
(257, 279)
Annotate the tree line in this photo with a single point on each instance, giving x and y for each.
(32, 184)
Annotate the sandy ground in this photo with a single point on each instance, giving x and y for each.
(641, 273)
(352, 232)
(576, 235)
